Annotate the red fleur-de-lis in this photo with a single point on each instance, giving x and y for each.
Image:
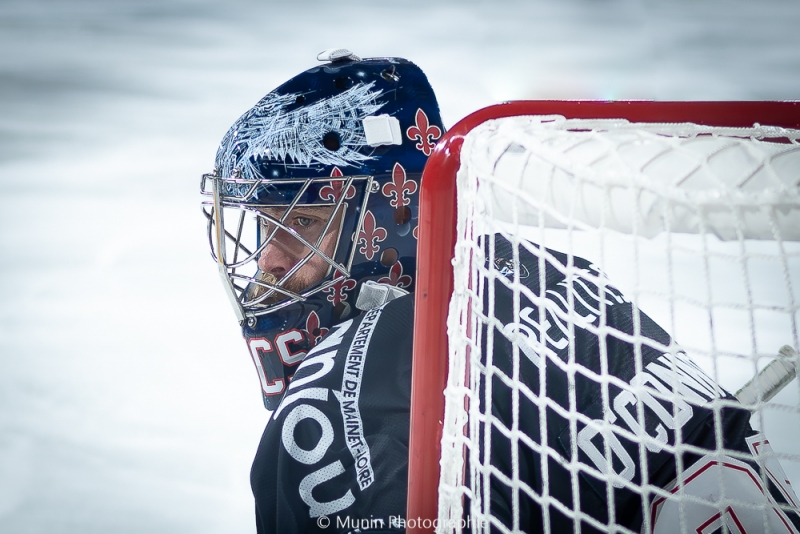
(370, 233)
(415, 233)
(337, 290)
(396, 277)
(333, 191)
(424, 133)
(315, 333)
(398, 187)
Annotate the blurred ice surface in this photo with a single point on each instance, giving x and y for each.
(128, 402)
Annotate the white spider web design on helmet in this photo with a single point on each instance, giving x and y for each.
(268, 130)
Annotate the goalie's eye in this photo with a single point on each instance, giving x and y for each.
(303, 222)
(297, 222)
(307, 222)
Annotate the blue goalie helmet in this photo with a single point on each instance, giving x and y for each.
(315, 193)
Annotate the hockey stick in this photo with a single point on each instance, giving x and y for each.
(771, 380)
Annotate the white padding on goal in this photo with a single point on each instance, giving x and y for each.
(638, 178)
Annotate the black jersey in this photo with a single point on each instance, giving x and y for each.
(334, 455)
(605, 390)
(611, 396)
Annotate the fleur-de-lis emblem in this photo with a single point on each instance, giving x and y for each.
(370, 234)
(415, 233)
(315, 333)
(396, 277)
(424, 133)
(399, 187)
(337, 290)
(333, 191)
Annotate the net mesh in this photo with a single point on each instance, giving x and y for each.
(614, 281)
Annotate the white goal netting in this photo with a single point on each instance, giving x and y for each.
(617, 284)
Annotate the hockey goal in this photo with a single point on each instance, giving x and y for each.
(690, 210)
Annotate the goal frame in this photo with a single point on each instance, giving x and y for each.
(434, 282)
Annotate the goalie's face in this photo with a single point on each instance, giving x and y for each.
(315, 192)
(299, 247)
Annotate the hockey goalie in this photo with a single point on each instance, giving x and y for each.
(312, 213)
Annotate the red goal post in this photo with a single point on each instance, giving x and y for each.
(434, 283)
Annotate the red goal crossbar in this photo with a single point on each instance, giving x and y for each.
(434, 282)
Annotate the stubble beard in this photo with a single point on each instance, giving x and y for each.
(295, 284)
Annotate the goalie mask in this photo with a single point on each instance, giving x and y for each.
(315, 192)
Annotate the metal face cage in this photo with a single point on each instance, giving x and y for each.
(245, 215)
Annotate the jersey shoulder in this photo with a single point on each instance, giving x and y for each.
(336, 446)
